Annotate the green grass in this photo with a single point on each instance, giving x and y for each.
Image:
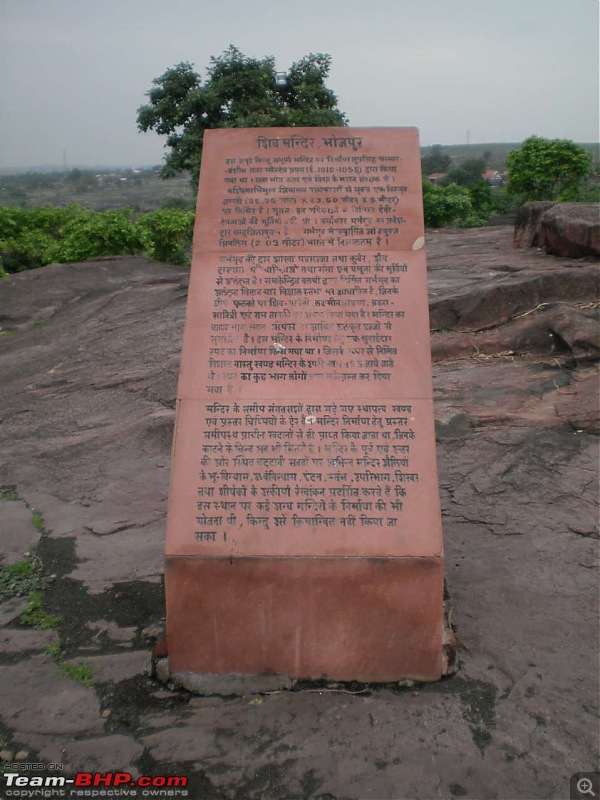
(81, 673)
(53, 651)
(38, 521)
(26, 578)
(78, 672)
(22, 578)
(36, 616)
(8, 493)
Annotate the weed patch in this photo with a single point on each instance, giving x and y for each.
(22, 578)
(36, 615)
(38, 521)
(81, 673)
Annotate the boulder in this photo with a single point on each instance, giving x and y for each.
(570, 230)
(528, 232)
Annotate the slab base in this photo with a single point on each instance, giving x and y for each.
(372, 620)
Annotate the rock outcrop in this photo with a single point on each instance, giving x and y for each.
(89, 356)
(570, 230)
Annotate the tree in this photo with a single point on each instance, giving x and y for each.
(547, 169)
(435, 161)
(470, 171)
(240, 92)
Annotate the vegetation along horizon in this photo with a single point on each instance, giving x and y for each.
(80, 214)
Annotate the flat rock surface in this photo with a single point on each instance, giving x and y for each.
(89, 359)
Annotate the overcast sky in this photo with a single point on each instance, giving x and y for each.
(73, 72)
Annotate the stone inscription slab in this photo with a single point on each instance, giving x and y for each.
(356, 323)
(272, 477)
(305, 423)
(311, 188)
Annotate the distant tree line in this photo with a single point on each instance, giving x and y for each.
(247, 92)
(541, 169)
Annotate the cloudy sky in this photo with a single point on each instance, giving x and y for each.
(73, 72)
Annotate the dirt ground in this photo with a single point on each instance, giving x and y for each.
(88, 363)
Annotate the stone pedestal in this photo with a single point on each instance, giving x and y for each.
(304, 535)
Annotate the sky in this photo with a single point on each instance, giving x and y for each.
(74, 72)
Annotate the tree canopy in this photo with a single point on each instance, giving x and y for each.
(239, 92)
(435, 161)
(547, 169)
(468, 172)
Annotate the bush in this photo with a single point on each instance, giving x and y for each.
(481, 199)
(169, 234)
(91, 234)
(27, 250)
(449, 205)
(33, 237)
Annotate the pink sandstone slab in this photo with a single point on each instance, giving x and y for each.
(304, 534)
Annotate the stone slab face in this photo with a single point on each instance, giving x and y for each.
(304, 533)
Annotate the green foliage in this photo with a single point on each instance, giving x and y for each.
(77, 672)
(548, 169)
(239, 92)
(446, 205)
(92, 234)
(38, 521)
(470, 171)
(54, 651)
(169, 234)
(82, 673)
(33, 237)
(590, 194)
(26, 578)
(502, 201)
(22, 578)
(435, 161)
(8, 493)
(27, 250)
(37, 616)
(481, 198)
(29, 237)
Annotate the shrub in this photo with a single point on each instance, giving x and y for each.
(91, 234)
(449, 205)
(34, 237)
(169, 234)
(27, 250)
(481, 199)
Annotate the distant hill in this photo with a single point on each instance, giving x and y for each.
(43, 169)
(459, 152)
(498, 150)
(142, 188)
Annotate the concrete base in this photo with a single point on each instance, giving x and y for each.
(372, 620)
(237, 685)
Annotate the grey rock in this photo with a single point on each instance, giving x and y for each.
(162, 670)
(231, 684)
